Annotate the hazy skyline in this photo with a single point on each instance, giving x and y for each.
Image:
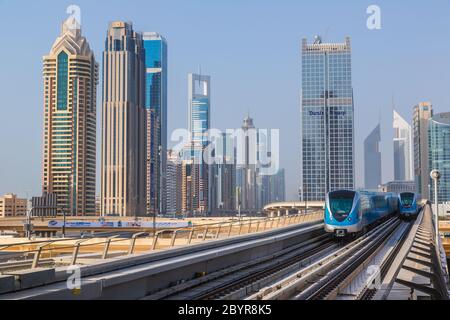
(251, 50)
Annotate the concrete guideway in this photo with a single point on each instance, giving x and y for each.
(137, 276)
(420, 268)
(318, 279)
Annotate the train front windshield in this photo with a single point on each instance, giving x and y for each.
(341, 204)
(407, 199)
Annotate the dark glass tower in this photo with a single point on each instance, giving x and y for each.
(156, 107)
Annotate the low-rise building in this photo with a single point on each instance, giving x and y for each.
(399, 186)
(12, 206)
(44, 206)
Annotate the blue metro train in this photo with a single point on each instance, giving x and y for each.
(351, 212)
(408, 205)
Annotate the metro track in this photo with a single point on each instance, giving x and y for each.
(330, 277)
(241, 280)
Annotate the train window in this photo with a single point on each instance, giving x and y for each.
(407, 198)
(379, 202)
(341, 203)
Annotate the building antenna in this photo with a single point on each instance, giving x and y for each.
(326, 32)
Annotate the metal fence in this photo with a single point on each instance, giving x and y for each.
(38, 253)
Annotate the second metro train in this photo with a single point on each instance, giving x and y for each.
(351, 212)
(408, 205)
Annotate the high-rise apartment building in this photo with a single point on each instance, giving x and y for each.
(372, 160)
(439, 154)
(124, 123)
(422, 114)
(403, 149)
(69, 157)
(156, 107)
(327, 119)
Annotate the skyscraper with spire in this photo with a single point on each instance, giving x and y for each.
(70, 87)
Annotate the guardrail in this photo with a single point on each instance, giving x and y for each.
(57, 248)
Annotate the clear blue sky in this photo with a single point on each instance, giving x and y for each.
(251, 48)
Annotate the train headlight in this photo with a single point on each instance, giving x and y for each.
(349, 219)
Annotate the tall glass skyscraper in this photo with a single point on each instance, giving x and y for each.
(327, 119)
(156, 107)
(372, 160)
(124, 122)
(439, 154)
(199, 107)
(70, 86)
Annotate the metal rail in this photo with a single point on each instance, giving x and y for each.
(203, 233)
(423, 256)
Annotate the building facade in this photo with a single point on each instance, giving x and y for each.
(439, 154)
(372, 160)
(403, 149)
(398, 187)
(327, 110)
(156, 66)
(271, 189)
(124, 144)
(173, 194)
(194, 181)
(11, 206)
(69, 156)
(223, 177)
(44, 206)
(422, 114)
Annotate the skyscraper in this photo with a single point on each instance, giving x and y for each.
(223, 176)
(70, 86)
(124, 122)
(199, 107)
(403, 148)
(173, 194)
(422, 113)
(195, 172)
(247, 168)
(439, 154)
(327, 119)
(156, 106)
(194, 181)
(372, 160)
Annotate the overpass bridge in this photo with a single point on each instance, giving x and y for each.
(286, 257)
(286, 208)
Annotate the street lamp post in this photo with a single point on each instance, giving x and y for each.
(436, 175)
